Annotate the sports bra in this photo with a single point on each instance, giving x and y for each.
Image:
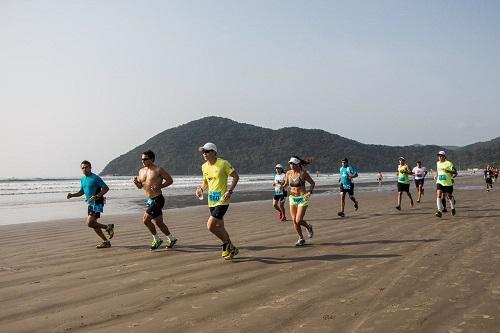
(298, 182)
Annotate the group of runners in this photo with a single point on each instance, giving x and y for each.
(152, 179)
(292, 183)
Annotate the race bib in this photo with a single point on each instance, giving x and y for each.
(214, 196)
(442, 177)
(277, 191)
(401, 178)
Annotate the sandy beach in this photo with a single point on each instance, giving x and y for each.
(376, 270)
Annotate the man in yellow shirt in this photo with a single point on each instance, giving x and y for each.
(403, 181)
(215, 173)
(445, 172)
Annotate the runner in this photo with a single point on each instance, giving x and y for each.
(445, 172)
(296, 178)
(403, 181)
(419, 173)
(380, 178)
(94, 189)
(347, 173)
(215, 173)
(279, 193)
(152, 179)
(488, 177)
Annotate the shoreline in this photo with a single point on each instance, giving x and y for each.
(175, 202)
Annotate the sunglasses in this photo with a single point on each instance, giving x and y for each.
(206, 151)
(145, 159)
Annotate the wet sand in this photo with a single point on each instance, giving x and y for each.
(376, 270)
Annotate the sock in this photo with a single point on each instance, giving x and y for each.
(156, 237)
(452, 205)
(439, 204)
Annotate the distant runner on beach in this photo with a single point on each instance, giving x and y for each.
(445, 172)
(347, 173)
(215, 174)
(403, 181)
(299, 197)
(380, 177)
(488, 177)
(152, 179)
(279, 192)
(419, 173)
(94, 189)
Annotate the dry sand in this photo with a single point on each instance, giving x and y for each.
(377, 270)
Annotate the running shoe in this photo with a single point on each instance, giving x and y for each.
(225, 250)
(280, 217)
(310, 231)
(110, 230)
(300, 242)
(283, 219)
(341, 214)
(233, 251)
(398, 207)
(171, 240)
(453, 212)
(156, 244)
(103, 245)
(356, 206)
(445, 210)
(438, 214)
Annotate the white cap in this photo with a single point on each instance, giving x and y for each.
(208, 146)
(279, 166)
(294, 160)
(402, 158)
(441, 152)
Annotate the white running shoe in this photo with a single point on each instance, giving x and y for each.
(300, 242)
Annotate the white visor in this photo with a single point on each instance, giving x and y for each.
(294, 160)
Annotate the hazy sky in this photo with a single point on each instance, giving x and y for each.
(94, 79)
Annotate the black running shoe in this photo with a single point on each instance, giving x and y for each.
(341, 214)
(438, 214)
(453, 212)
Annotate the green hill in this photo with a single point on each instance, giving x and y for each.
(253, 149)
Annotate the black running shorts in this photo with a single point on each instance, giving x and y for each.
(91, 212)
(155, 205)
(403, 187)
(444, 189)
(347, 190)
(218, 211)
(419, 182)
(280, 197)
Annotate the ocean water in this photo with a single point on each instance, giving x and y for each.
(35, 200)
